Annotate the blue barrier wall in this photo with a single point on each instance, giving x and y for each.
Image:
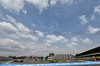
(54, 64)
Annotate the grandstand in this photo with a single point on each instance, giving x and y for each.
(93, 53)
(63, 57)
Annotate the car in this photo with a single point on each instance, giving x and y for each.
(52, 61)
(55, 61)
(15, 61)
(96, 59)
(20, 60)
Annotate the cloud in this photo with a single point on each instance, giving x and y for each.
(18, 5)
(97, 9)
(15, 29)
(20, 39)
(40, 4)
(15, 5)
(7, 27)
(48, 44)
(33, 25)
(10, 44)
(69, 2)
(40, 34)
(13, 47)
(72, 44)
(52, 39)
(44, 4)
(15, 35)
(22, 28)
(53, 2)
(86, 40)
(93, 18)
(74, 39)
(93, 30)
(83, 19)
(21, 47)
(24, 11)
(18, 25)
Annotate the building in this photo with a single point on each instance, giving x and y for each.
(51, 54)
(63, 57)
(51, 58)
(95, 52)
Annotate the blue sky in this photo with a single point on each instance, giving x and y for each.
(39, 27)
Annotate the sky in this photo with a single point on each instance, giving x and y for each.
(40, 27)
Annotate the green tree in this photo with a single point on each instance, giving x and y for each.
(41, 58)
(46, 58)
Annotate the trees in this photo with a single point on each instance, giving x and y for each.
(41, 58)
(13, 57)
(46, 58)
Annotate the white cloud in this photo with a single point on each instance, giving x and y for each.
(40, 4)
(93, 18)
(56, 47)
(69, 2)
(18, 30)
(71, 45)
(15, 29)
(18, 47)
(43, 4)
(7, 27)
(18, 5)
(53, 2)
(74, 39)
(93, 30)
(80, 44)
(15, 5)
(22, 28)
(11, 19)
(24, 11)
(47, 44)
(2, 16)
(10, 44)
(40, 34)
(18, 25)
(52, 39)
(83, 19)
(33, 25)
(86, 40)
(97, 9)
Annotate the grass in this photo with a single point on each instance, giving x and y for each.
(61, 60)
(90, 57)
(2, 62)
(44, 61)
